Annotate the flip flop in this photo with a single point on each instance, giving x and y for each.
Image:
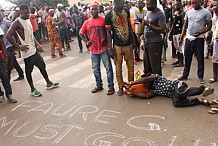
(125, 86)
(204, 102)
(213, 111)
(214, 102)
(208, 91)
(212, 80)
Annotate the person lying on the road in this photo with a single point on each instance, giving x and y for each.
(160, 86)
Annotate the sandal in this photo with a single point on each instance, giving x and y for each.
(204, 102)
(214, 102)
(120, 91)
(208, 91)
(213, 111)
(126, 86)
(212, 80)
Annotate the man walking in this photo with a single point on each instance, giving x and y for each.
(23, 28)
(197, 23)
(97, 42)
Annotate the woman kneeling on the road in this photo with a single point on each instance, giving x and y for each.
(152, 85)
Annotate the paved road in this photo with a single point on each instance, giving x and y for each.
(72, 116)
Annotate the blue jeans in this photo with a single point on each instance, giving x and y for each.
(96, 60)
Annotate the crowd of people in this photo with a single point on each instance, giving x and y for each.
(121, 31)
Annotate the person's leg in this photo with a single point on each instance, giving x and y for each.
(180, 96)
(199, 52)
(118, 61)
(129, 58)
(40, 30)
(10, 65)
(137, 51)
(146, 59)
(1, 95)
(192, 91)
(6, 83)
(60, 52)
(185, 102)
(179, 62)
(15, 64)
(66, 39)
(96, 60)
(79, 41)
(43, 30)
(29, 65)
(52, 46)
(165, 46)
(37, 36)
(39, 62)
(61, 32)
(188, 53)
(4, 78)
(109, 70)
(155, 54)
(108, 66)
(18, 68)
(215, 70)
(173, 50)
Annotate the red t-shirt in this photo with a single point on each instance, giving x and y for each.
(33, 22)
(96, 32)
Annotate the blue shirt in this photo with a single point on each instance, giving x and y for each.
(5, 25)
(197, 20)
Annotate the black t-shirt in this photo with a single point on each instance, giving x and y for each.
(167, 12)
(120, 28)
(177, 23)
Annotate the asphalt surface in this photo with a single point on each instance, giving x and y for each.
(71, 115)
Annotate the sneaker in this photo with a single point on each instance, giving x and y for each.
(62, 55)
(10, 99)
(53, 56)
(19, 78)
(80, 51)
(51, 86)
(2, 98)
(36, 93)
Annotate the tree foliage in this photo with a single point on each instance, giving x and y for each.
(40, 2)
